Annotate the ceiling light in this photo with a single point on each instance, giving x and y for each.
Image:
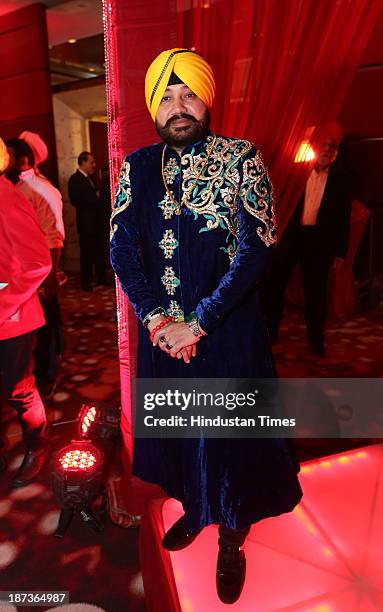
(72, 40)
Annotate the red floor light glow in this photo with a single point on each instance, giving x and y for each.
(77, 480)
(78, 456)
(326, 556)
(98, 422)
(76, 476)
(77, 460)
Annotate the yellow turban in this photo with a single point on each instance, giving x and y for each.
(4, 157)
(190, 67)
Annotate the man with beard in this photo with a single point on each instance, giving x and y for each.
(192, 232)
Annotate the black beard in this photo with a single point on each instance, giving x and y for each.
(181, 137)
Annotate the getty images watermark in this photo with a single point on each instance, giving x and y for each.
(258, 408)
(194, 400)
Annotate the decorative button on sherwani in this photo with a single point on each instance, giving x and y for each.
(170, 280)
(168, 244)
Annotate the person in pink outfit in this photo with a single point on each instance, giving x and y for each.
(46, 200)
(24, 264)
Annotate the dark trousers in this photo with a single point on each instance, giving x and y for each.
(16, 365)
(306, 247)
(92, 254)
(49, 341)
(232, 537)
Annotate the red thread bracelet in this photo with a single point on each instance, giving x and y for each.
(159, 326)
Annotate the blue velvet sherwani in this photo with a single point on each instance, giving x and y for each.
(208, 259)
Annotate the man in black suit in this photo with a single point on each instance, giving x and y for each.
(84, 196)
(317, 237)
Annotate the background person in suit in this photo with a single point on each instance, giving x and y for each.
(84, 196)
(317, 237)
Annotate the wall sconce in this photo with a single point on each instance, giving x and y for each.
(305, 152)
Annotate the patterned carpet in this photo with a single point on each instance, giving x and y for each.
(103, 569)
(354, 348)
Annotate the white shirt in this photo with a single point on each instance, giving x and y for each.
(314, 191)
(47, 202)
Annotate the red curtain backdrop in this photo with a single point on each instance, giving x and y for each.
(283, 68)
(135, 31)
(25, 83)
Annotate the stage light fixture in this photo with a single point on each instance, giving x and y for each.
(77, 480)
(99, 423)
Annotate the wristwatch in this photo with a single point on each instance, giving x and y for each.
(194, 327)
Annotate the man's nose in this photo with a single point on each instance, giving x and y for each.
(178, 106)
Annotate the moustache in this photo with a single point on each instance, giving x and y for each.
(181, 116)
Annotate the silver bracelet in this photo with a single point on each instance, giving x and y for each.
(194, 327)
(153, 314)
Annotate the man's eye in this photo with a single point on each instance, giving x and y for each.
(190, 95)
(165, 99)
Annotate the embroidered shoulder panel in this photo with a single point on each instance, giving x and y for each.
(257, 197)
(123, 196)
(216, 193)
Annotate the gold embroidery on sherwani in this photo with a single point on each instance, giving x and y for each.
(123, 197)
(217, 189)
(257, 198)
(168, 206)
(175, 311)
(168, 243)
(171, 170)
(170, 280)
(215, 196)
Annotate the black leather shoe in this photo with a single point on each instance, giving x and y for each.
(33, 463)
(231, 572)
(178, 537)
